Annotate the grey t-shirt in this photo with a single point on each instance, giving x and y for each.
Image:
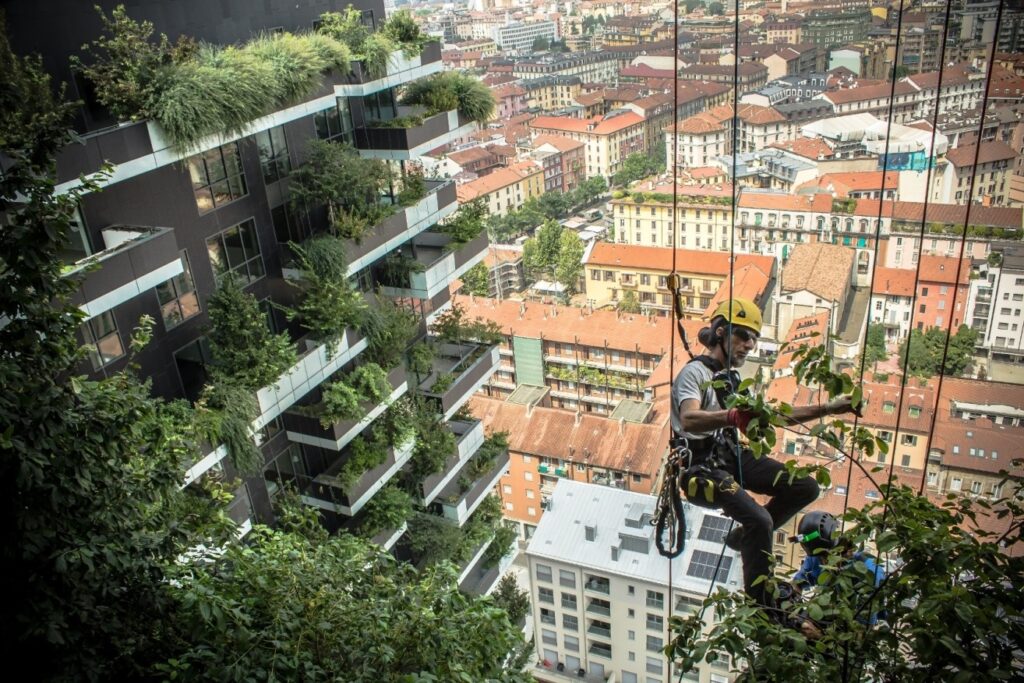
(688, 385)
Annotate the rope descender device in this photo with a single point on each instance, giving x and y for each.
(668, 516)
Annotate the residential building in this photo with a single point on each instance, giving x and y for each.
(942, 284)
(892, 301)
(612, 270)
(563, 160)
(224, 206)
(971, 457)
(867, 59)
(546, 444)
(857, 184)
(609, 139)
(591, 360)
(519, 36)
(635, 30)
(511, 100)
(505, 189)
(592, 67)
(699, 139)
(773, 223)
(704, 213)
(505, 275)
(601, 601)
(752, 75)
(782, 31)
(828, 28)
(817, 277)
(551, 92)
(997, 305)
(986, 171)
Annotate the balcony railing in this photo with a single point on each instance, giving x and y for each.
(439, 264)
(469, 365)
(326, 491)
(469, 437)
(387, 538)
(134, 261)
(481, 580)
(598, 608)
(303, 424)
(403, 225)
(600, 631)
(382, 142)
(458, 505)
(598, 585)
(600, 650)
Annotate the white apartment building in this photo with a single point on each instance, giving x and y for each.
(996, 308)
(518, 36)
(599, 588)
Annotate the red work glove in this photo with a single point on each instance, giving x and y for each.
(740, 419)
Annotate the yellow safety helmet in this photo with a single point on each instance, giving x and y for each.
(739, 312)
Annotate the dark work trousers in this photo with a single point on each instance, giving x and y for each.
(758, 475)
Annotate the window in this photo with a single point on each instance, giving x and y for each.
(217, 177)
(713, 529)
(956, 484)
(655, 622)
(975, 487)
(334, 122)
(570, 622)
(654, 644)
(888, 407)
(908, 439)
(566, 578)
(654, 665)
(905, 461)
(274, 160)
(543, 572)
(546, 595)
(102, 341)
(569, 601)
(177, 297)
(703, 564)
(548, 637)
(655, 599)
(572, 643)
(236, 250)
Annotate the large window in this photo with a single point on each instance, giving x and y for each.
(217, 177)
(334, 123)
(274, 160)
(236, 250)
(177, 297)
(102, 341)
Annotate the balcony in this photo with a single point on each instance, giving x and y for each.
(469, 437)
(459, 370)
(138, 148)
(600, 650)
(478, 579)
(602, 607)
(598, 584)
(457, 504)
(403, 225)
(387, 538)
(302, 424)
(326, 492)
(601, 631)
(439, 261)
(397, 144)
(551, 672)
(134, 261)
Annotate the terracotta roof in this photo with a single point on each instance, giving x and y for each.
(995, 446)
(809, 148)
(980, 393)
(466, 156)
(745, 69)
(749, 281)
(756, 114)
(844, 183)
(823, 269)
(954, 75)
(503, 254)
(894, 281)
(599, 125)
(699, 124)
(559, 142)
(995, 150)
(508, 91)
(502, 177)
(811, 330)
(624, 332)
(687, 260)
(645, 71)
(557, 433)
(953, 214)
(868, 92)
(943, 269)
(820, 202)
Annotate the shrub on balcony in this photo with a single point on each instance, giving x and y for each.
(330, 304)
(432, 540)
(452, 90)
(389, 327)
(372, 49)
(371, 381)
(504, 536)
(421, 358)
(467, 223)
(364, 454)
(452, 326)
(403, 30)
(414, 188)
(396, 268)
(244, 350)
(442, 383)
(350, 186)
(388, 509)
(340, 402)
(435, 443)
(224, 414)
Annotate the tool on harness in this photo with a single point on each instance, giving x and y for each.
(668, 515)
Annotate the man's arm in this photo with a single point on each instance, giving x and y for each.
(696, 421)
(804, 413)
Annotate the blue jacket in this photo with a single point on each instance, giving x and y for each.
(812, 567)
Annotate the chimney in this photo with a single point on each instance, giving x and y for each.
(577, 419)
(522, 309)
(622, 426)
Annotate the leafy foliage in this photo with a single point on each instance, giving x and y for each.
(389, 328)
(570, 261)
(515, 601)
(421, 358)
(243, 347)
(388, 509)
(476, 280)
(629, 303)
(504, 536)
(333, 609)
(371, 380)
(365, 453)
(336, 176)
(404, 30)
(232, 409)
(340, 402)
(874, 345)
(452, 90)
(467, 223)
(435, 443)
(636, 166)
(925, 351)
(414, 188)
(453, 326)
(330, 304)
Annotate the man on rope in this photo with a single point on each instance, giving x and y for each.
(720, 471)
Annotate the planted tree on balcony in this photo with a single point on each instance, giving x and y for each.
(388, 509)
(403, 29)
(504, 536)
(371, 381)
(350, 186)
(244, 350)
(467, 223)
(330, 304)
(454, 327)
(372, 49)
(435, 443)
(340, 402)
(452, 90)
(389, 328)
(414, 188)
(225, 412)
(365, 453)
(421, 358)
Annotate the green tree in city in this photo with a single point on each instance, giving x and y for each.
(715, 9)
(636, 166)
(629, 303)
(475, 280)
(922, 351)
(540, 44)
(900, 71)
(512, 599)
(549, 243)
(874, 345)
(570, 261)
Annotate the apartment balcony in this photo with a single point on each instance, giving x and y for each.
(459, 370)
(137, 148)
(326, 491)
(383, 142)
(600, 650)
(596, 584)
(439, 263)
(134, 261)
(469, 437)
(387, 538)
(632, 284)
(458, 504)
(550, 671)
(602, 607)
(439, 203)
(303, 425)
(599, 631)
(478, 579)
